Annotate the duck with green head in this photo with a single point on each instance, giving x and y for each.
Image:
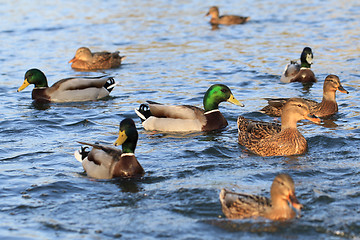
(105, 162)
(185, 118)
(69, 89)
(295, 72)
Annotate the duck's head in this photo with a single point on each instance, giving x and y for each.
(332, 83)
(294, 110)
(306, 57)
(83, 54)
(128, 136)
(34, 76)
(283, 192)
(213, 12)
(216, 94)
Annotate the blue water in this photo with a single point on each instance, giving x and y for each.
(173, 56)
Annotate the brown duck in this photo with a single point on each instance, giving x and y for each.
(325, 108)
(86, 60)
(225, 19)
(271, 139)
(295, 72)
(279, 207)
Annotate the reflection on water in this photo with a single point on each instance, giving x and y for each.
(173, 56)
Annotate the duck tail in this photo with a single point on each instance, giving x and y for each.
(110, 84)
(80, 155)
(143, 112)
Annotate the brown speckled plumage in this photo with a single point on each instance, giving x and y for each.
(239, 205)
(86, 60)
(270, 139)
(225, 19)
(325, 108)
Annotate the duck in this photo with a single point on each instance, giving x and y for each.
(69, 89)
(295, 72)
(272, 139)
(280, 206)
(186, 118)
(225, 19)
(325, 108)
(107, 162)
(84, 59)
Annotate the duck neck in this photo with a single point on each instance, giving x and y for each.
(287, 122)
(305, 64)
(129, 145)
(210, 103)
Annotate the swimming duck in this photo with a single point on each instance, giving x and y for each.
(69, 89)
(225, 19)
(184, 118)
(325, 108)
(86, 60)
(278, 207)
(106, 162)
(295, 72)
(271, 139)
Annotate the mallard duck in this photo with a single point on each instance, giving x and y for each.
(325, 108)
(295, 72)
(69, 89)
(86, 60)
(279, 207)
(271, 139)
(106, 162)
(225, 19)
(185, 118)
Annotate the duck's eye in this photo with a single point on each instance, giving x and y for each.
(223, 90)
(299, 105)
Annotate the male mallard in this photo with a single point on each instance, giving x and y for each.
(279, 207)
(69, 89)
(295, 72)
(271, 139)
(105, 162)
(325, 108)
(86, 60)
(184, 118)
(225, 19)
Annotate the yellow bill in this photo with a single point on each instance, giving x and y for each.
(233, 100)
(24, 85)
(121, 139)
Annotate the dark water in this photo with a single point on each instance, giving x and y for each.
(173, 56)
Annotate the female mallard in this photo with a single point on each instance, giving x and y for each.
(184, 118)
(325, 108)
(86, 60)
(69, 89)
(105, 162)
(300, 73)
(225, 19)
(279, 207)
(270, 139)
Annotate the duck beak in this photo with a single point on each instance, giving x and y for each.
(341, 89)
(313, 118)
(24, 85)
(72, 60)
(207, 14)
(233, 100)
(294, 202)
(121, 139)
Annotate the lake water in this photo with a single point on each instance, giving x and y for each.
(173, 56)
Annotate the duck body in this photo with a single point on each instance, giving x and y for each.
(69, 89)
(271, 139)
(327, 107)
(295, 72)
(84, 59)
(279, 207)
(225, 19)
(106, 162)
(186, 118)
